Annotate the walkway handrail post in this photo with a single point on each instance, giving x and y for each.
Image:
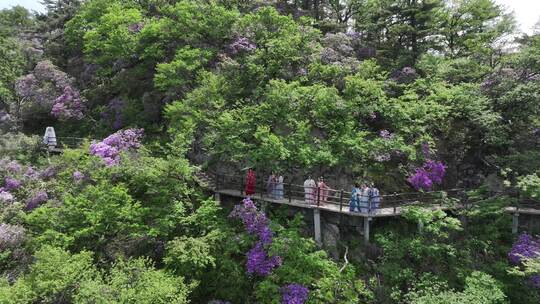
(290, 192)
(341, 200)
(318, 196)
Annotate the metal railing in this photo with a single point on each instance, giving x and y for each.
(337, 198)
(65, 142)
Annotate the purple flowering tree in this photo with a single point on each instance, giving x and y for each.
(256, 223)
(110, 148)
(49, 90)
(526, 252)
(294, 294)
(259, 261)
(431, 173)
(36, 200)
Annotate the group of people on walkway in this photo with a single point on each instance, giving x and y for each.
(274, 186)
(364, 198)
(315, 191)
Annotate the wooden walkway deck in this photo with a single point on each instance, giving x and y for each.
(377, 213)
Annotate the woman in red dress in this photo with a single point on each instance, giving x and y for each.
(250, 183)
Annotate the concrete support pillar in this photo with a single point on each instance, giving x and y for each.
(317, 224)
(264, 206)
(217, 197)
(515, 223)
(367, 221)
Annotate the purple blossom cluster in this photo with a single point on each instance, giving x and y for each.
(256, 223)
(51, 89)
(432, 172)
(11, 236)
(36, 200)
(11, 184)
(259, 262)
(78, 176)
(69, 105)
(525, 247)
(17, 176)
(294, 294)
(242, 44)
(110, 148)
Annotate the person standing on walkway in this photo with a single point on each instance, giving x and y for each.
(355, 198)
(271, 185)
(375, 198)
(364, 199)
(279, 188)
(323, 188)
(309, 190)
(250, 182)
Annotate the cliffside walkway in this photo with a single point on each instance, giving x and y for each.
(331, 200)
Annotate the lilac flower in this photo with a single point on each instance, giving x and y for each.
(256, 222)
(242, 44)
(420, 180)
(436, 170)
(31, 173)
(5, 196)
(49, 172)
(34, 202)
(525, 247)
(430, 173)
(11, 184)
(11, 236)
(294, 294)
(78, 176)
(258, 261)
(69, 105)
(109, 149)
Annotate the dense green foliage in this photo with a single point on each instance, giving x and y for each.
(359, 89)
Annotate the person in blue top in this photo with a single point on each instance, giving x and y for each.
(375, 198)
(364, 198)
(355, 199)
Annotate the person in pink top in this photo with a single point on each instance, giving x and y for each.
(323, 188)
